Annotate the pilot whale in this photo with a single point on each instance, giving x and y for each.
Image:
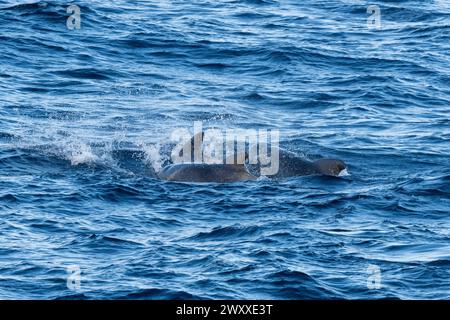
(289, 165)
(222, 173)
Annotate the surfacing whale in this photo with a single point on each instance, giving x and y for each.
(290, 165)
(222, 173)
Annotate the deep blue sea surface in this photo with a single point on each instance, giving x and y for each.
(83, 112)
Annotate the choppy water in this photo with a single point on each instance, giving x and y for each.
(82, 110)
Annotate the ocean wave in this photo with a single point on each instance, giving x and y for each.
(87, 117)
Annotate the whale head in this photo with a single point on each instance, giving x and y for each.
(330, 167)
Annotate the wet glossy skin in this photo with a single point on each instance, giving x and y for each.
(193, 172)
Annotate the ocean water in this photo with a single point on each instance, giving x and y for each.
(83, 114)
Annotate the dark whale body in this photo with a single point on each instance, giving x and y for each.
(289, 165)
(201, 172)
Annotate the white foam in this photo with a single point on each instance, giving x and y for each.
(343, 173)
(263, 178)
(153, 156)
(81, 153)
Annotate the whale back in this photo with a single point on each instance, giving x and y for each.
(200, 172)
